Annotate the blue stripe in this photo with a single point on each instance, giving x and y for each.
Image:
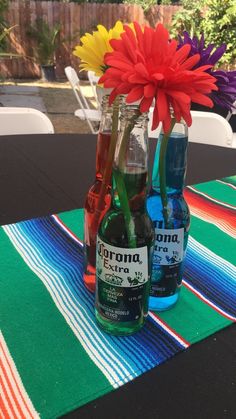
(214, 282)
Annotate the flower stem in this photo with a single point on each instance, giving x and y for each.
(162, 172)
(124, 203)
(108, 169)
(124, 140)
(120, 184)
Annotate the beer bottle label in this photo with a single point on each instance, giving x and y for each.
(167, 264)
(169, 246)
(122, 285)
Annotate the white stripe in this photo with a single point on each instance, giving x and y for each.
(202, 215)
(223, 204)
(68, 232)
(29, 256)
(5, 402)
(226, 183)
(201, 296)
(167, 329)
(13, 376)
(224, 265)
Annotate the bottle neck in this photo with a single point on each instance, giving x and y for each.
(175, 162)
(103, 143)
(130, 162)
(104, 137)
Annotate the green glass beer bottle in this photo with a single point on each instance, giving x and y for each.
(125, 237)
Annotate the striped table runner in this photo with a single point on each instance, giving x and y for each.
(54, 358)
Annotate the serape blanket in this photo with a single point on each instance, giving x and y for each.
(54, 358)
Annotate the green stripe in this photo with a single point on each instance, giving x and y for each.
(57, 373)
(192, 318)
(74, 220)
(213, 238)
(218, 191)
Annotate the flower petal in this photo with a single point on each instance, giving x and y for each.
(145, 104)
(135, 94)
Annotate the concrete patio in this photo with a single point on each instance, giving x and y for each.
(56, 100)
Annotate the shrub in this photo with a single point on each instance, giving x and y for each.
(219, 26)
(215, 18)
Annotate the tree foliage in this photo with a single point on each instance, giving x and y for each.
(215, 18)
(188, 18)
(219, 26)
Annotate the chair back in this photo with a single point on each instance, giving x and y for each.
(15, 121)
(75, 84)
(210, 128)
(85, 112)
(93, 81)
(206, 128)
(232, 112)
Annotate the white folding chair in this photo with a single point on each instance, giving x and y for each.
(85, 112)
(93, 81)
(210, 128)
(206, 128)
(228, 117)
(24, 121)
(230, 113)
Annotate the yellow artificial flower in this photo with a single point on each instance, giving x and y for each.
(95, 46)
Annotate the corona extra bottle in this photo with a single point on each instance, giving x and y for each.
(125, 236)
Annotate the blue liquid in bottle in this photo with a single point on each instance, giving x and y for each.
(171, 230)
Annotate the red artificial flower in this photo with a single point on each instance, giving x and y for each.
(147, 66)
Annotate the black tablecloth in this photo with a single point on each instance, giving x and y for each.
(44, 174)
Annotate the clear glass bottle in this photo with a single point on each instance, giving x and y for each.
(91, 202)
(125, 236)
(171, 218)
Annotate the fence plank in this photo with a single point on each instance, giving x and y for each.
(75, 19)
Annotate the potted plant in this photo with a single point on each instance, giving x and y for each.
(47, 41)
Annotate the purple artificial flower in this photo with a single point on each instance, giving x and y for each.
(225, 96)
(226, 80)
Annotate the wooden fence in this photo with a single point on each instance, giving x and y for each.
(75, 19)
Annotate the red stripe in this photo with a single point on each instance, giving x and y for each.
(208, 302)
(3, 412)
(7, 398)
(216, 212)
(15, 381)
(3, 408)
(211, 198)
(66, 228)
(12, 392)
(170, 328)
